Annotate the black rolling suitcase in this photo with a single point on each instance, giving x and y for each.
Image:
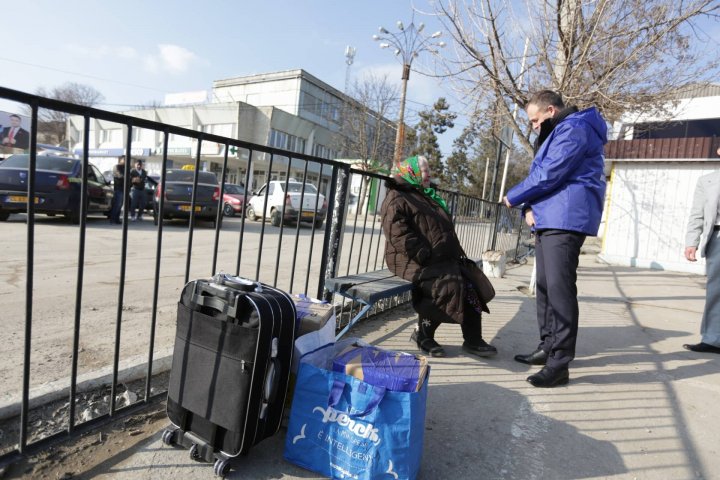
(230, 369)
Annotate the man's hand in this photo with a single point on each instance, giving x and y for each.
(529, 218)
(690, 253)
(507, 202)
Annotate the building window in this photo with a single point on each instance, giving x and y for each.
(279, 139)
(135, 134)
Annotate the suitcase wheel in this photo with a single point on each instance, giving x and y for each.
(168, 436)
(194, 453)
(221, 467)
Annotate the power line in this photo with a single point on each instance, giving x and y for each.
(80, 74)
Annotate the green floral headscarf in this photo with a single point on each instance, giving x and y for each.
(415, 171)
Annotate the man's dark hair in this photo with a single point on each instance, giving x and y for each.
(15, 116)
(543, 98)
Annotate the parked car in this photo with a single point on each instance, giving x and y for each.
(233, 199)
(57, 187)
(277, 196)
(178, 189)
(151, 182)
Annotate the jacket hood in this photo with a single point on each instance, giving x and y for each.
(595, 120)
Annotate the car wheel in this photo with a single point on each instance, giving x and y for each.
(275, 218)
(250, 213)
(319, 222)
(4, 216)
(228, 210)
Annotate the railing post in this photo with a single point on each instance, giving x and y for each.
(331, 244)
(495, 225)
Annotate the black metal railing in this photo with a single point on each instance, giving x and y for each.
(292, 256)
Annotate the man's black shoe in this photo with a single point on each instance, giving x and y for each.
(481, 349)
(549, 377)
(538, 357)
(702, 347)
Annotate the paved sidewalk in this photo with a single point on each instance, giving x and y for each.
(638, 406)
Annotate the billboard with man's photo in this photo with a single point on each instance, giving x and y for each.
(14, 132)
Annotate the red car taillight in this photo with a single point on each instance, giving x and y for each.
(63, 183)
(324, 203)
(158, 192)
(216, 194)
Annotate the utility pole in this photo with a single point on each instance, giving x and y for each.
(514, 115)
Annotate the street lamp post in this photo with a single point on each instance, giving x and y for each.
(408, 44)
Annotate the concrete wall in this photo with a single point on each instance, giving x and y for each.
(647, 214)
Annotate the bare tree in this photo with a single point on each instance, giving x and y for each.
(618, 55)
(366, 133)
(52, 123)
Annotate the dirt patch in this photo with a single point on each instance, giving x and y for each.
(77, 458)
(74, 457)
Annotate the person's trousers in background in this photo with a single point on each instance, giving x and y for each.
(710, 327)
(117, 203)
(137, 202)
(557, 254)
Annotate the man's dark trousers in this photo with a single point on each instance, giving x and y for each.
(556, 260)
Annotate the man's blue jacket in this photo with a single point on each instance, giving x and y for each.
(565, 187)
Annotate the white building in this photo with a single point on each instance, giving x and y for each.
(655, 164)
(291, 110)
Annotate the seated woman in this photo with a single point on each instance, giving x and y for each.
(422, 247)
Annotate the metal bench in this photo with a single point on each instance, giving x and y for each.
(367, 289)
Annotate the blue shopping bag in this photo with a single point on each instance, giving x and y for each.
(342, 427)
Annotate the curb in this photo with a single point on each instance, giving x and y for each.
(130, 369)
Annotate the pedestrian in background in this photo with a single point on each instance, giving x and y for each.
(562, 199)
(119, 190)
(422, 247)
(137, 194)
(703, 233)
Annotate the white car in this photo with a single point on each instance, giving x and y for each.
(314, 205)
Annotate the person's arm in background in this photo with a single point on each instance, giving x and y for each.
(695, 223)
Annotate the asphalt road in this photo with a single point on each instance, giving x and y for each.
(269, 257)
(55, 279)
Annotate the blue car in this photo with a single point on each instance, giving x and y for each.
(57, 187)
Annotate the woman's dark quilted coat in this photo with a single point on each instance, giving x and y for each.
(422, 247)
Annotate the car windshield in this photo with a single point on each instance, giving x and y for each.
(55, 164)
(234, 189)
(297, 188)
(188, 176)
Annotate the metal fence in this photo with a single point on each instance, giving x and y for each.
(293, 256)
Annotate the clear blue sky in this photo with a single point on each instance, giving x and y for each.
(135, 52)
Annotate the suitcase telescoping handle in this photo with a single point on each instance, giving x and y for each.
(238, 283)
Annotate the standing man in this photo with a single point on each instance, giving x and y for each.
(562, 198)
(704, 230)
(137, 194)
(119, 189)
(15, 136)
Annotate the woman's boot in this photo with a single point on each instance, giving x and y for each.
(424, 337)
(472, 334)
